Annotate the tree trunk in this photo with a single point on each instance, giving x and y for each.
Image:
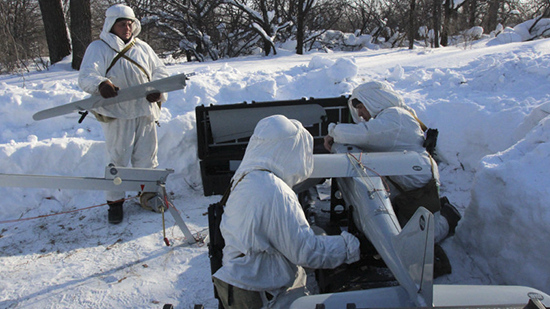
(56, 29)
(473, 13)
(300, 28)
(268, 45)
(447, 22)
(81, 29)
(412, 25)
(436, 22)
(267, 48)
(492, 16)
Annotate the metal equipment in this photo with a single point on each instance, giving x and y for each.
(118, 178)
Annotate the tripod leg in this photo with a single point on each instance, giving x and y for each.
(174, 212)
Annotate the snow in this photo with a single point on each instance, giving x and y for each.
(490, 102)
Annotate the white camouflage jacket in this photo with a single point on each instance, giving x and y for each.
(391, 128)
(99, 56)
(266, 233)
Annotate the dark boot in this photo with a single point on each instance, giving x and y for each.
(442, 265)
(115, 211)
(449, 212)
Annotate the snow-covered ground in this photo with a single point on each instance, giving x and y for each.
(489, 100)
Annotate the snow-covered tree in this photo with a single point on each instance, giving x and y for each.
(262, 19)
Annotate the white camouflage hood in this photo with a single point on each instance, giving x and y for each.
(283, 147)
(115, 12)
(376, 96)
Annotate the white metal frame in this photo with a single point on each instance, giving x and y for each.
(116, 178)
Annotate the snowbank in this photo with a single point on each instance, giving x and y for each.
(476, 97)
(509, 214)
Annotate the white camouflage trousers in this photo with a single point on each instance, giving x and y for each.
(130, 141)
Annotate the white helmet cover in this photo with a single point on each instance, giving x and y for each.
(376, 96)
(120, 11)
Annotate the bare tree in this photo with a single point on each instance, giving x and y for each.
(492, 15)
(436, 21)
(361, 15)
(56, 29)
(322, 18)
(533, 28)
(199, 29)
(473, 12)
(448, 13)
(395, 17)
(211, 29)
(189, 27)
(261, 18)
(234, 39)
(22, 35)
(304, 7)
(81, 29)
(540, 8)
(412, 24)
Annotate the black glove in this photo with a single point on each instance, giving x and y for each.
(153, 97)
(107, 89)
(365, 246)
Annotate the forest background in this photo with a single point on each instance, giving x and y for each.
(38, 33)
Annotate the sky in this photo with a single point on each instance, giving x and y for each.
(489, 100)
